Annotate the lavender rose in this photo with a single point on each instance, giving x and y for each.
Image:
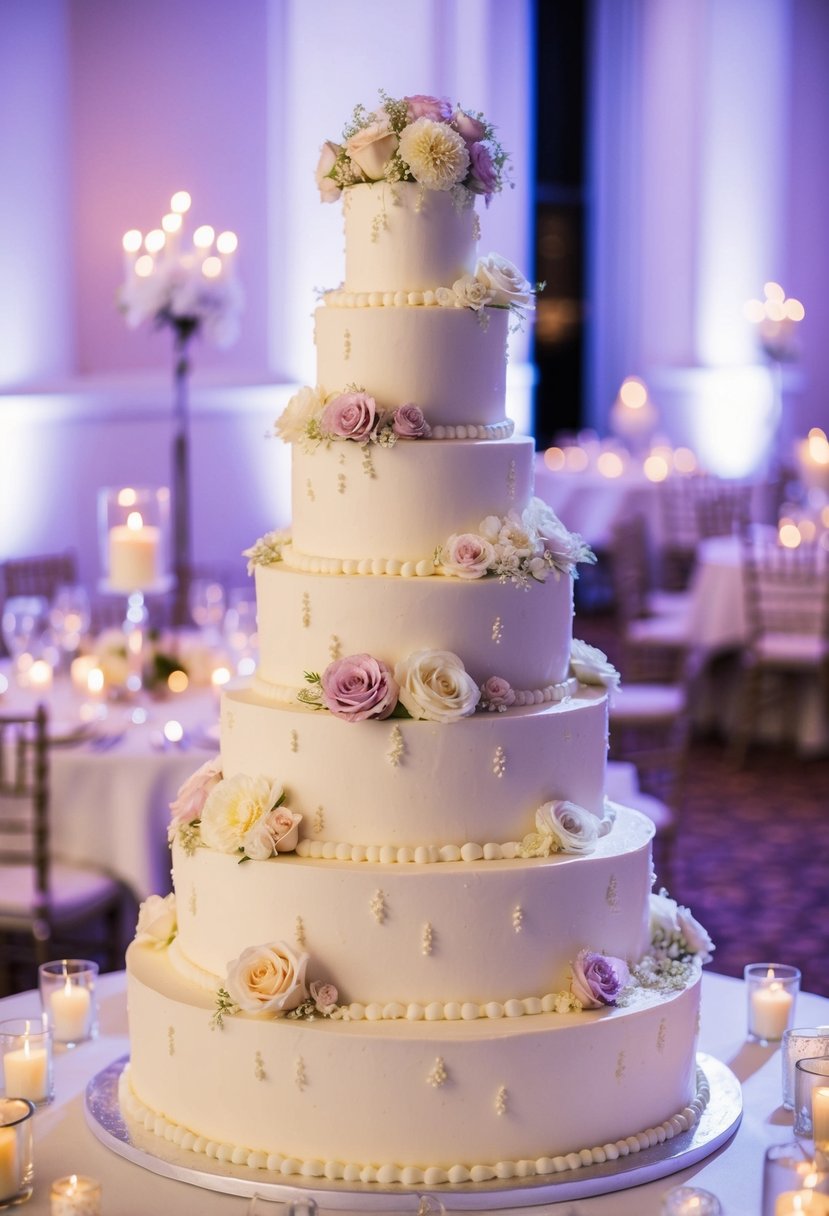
(359, 687)
(422, 105)
(350, 416)
(193, 793)
(267, 979)
(483, 176)
(324, 996)
(469, 128)
(497, 693)
(467, 555)
(598, 978)
(408, 422)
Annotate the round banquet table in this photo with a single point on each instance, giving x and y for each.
(65, 1145)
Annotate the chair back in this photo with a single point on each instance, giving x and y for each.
(723, 508)
(630, 567)
(39, 575)
(786, 590)
(24, 796)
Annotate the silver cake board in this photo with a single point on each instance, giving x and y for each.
(717, 1124)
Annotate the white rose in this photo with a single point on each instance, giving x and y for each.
(663, 915)
(505, 282)
(435, 685)
(156, 920)
(696, 937)
(232, 809)
(575, 829)
(292, 423)
(591, 665)
(471, 292)
(466, 555)
(267, 979)
(372, 148)
(446, 298)
(564, 548)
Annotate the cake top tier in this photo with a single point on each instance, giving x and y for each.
(418, 139)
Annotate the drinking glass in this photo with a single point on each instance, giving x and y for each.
(206, 600)
(25, 617)
(69, 617)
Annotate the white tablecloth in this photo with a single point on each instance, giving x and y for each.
(64, 1145)
(111, 807)
(590, 504)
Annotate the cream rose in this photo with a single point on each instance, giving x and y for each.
(574, 828)
(471, 292)
(267, 979)
(505, 282)
(329, 190)
(372, 148)
(275, 832)
(292, 423)
(697, 938)
(234, 807)
(435, 685)
(157, 924)
(663, 915)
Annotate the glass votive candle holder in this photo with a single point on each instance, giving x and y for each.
(772, 990)
(792, 1182)
(75, 1196)
(67, 993)
(26, 1049)
(16, 1164)
(798, 1044)
(811, 1104)
(690, 1201)
(133, 530)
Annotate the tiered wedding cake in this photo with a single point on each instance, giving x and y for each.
(410, 940)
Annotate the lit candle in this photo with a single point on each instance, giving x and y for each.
(70, 1007)
(40, 675)
(134, 553)
(770, 1008)
(76, 1196)
(792, 1202)
(26, 1073)
(9, 1163)
(820, 1116)
(79, 670)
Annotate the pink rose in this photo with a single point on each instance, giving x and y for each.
(372, 148)
(497, 693)
(324, 996)
(598, 978)
(422, 105)
(328, 188)
(193, 793)
(276, 831)
(469, 128)
(350, 416)
(483, 176)
(409, 423)
(359, 687)
(467, 556)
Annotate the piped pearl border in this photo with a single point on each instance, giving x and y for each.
(133, 1108)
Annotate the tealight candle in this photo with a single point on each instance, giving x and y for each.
(79, 670)
(15, 1150)
(76, 1196)
(40, 675)
(67, 993)
(820, 1117)
(690, 1201)
(792, 1202)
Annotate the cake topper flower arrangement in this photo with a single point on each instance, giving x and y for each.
(419, 139)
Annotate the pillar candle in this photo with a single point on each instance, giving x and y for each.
(134, 555)
(9, 1163)
(26, 1073)
(820, 1114)
(69, 1012)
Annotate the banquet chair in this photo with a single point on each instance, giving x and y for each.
(723, 508)
(677, 498)
(653, 625)
(38, 575)
(45, 904)
(787, 616)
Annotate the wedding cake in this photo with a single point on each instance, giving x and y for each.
(411, 941)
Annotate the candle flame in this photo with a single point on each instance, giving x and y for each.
(203, 237)
(211, 267)
(180, 202)
(134, 521)
(154, 241)
(633, 393)
(132, 241)
(95, 680)
(227, 242)
(171, 222)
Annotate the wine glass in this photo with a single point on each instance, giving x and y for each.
(70, 617)
(206, 600)
(25, 617)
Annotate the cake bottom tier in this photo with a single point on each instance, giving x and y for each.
(408, 1102)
